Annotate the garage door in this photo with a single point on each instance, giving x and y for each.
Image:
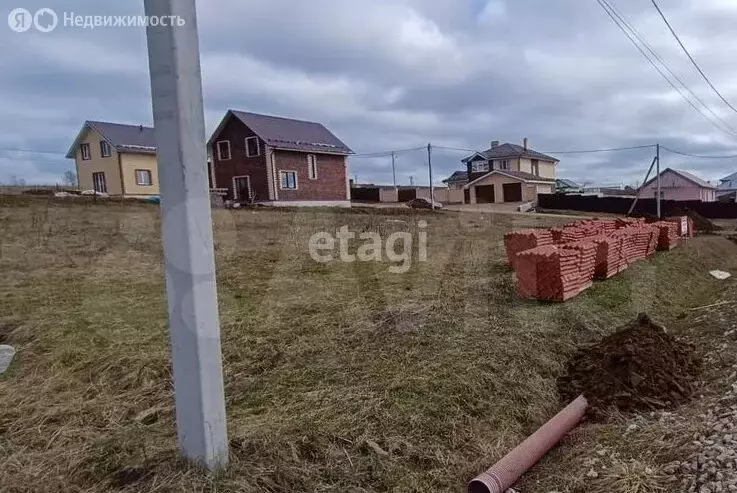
(512, 192)
(485, 194)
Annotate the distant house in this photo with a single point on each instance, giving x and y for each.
(116, 159)
(679, 185)
(727, 185)
(599, 191)
(507, 173)
(457, 180)
(279, 161)
(563, 185)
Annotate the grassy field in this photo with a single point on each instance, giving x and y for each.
(338, 376)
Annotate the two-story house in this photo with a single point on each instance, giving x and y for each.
(116, 159)
(506, 173)
(279, 161)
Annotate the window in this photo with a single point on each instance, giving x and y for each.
(535, 167)
(86, 155)
(105, 149)
(98, 182)
(312, 166)
(288, 180)
(662, 194)
(477, 166)
(223, 150)
(143, 177)
(504, 164)
(252, 148)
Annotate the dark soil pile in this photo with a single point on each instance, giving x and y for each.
(700, 223)
(639, 367)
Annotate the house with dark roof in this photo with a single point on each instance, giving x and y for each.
(457, 180)
(279, 161)
(116, 159)
(679, 185)
(506, 173)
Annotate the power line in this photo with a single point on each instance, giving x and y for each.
(606, 7)
(660, 59)
(673, 32)
(585, 151)
(32, 151)
(613, 149)
(734, 156)
(387, 153)
(461, 149)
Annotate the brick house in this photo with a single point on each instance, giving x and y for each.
(279, 161)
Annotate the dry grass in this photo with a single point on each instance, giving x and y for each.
(338, 377)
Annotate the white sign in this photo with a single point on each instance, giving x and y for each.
(684, 226)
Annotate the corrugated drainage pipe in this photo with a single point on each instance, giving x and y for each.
(508, 470)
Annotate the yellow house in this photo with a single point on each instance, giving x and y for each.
(116, 159)
(505, 173)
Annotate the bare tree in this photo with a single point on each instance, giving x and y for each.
(69, 178)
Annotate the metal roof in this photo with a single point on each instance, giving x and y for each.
(508, 150)
(123, 137)
(457, 176)
(289, 134)
(685, 174)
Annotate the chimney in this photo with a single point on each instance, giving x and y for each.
(494, 143)
(524, 143)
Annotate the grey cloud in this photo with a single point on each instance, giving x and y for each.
(390, 74)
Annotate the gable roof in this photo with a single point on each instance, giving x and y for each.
(728, 182)
(518, 175)
(457, 176)
(564, 182)
(684, 174)
(124, 138)
(508, 150)
(287, 133)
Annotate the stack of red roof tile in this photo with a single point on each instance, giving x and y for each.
(525, 239)
(559, 263)
(609, 256)
(624, 222)
(668, 237)
(555, 273)
(641, 238)
(586, 262)
(654, 239)
(685, 225)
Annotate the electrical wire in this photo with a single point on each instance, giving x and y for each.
(613, 149)
(33, 152)
(387, 153)
(673, 32)
(586, 151)
(734, 156)
(660, 59)
(606, 7)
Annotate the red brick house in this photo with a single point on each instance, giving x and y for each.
(279, 161)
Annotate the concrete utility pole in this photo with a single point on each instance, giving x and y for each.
(394, 170)
(657, 159)
(411, 181)
(194, 328)
(429, 165)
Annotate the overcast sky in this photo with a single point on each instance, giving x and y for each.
(394, 74)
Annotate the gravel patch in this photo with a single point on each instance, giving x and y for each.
(713, 468)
